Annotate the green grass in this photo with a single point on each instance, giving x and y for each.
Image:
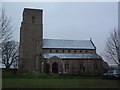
(10, 80)
(58, 83)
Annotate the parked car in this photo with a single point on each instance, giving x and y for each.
(115, 74)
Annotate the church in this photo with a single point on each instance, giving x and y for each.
(54, 56)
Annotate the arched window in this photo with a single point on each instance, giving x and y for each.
(67, 66)
(82, 67)
(33, 19)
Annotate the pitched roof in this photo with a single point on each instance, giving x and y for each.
(68, 44)
(72, 56)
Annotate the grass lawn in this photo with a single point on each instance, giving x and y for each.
(58, 83)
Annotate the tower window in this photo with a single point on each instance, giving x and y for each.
(33, 19)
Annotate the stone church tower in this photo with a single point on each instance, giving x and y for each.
(31, 36)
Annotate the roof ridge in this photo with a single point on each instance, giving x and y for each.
(72, 44)
(66, 39)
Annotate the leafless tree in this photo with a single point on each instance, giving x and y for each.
(8, 47)
(113, 47)
(6, 28)
(10, 54)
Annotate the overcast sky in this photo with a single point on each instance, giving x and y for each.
(73, 21)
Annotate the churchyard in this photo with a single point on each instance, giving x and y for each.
(55, 81)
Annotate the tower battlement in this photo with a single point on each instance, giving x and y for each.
(32, 16)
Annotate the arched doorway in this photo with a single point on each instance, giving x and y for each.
(55, 67)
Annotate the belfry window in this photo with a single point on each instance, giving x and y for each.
(33, 19)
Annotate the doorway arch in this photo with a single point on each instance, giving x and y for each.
(56, 61)
(55, 67)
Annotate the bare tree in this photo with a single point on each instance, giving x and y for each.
(5, 27)
(9, 53)
(113, 47)
(8, 47)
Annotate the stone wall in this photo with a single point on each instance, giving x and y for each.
(80, 67)
(31, 41)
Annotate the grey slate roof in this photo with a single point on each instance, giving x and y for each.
(72, 56)
(68, 44)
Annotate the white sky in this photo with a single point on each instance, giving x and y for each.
(71, 20)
